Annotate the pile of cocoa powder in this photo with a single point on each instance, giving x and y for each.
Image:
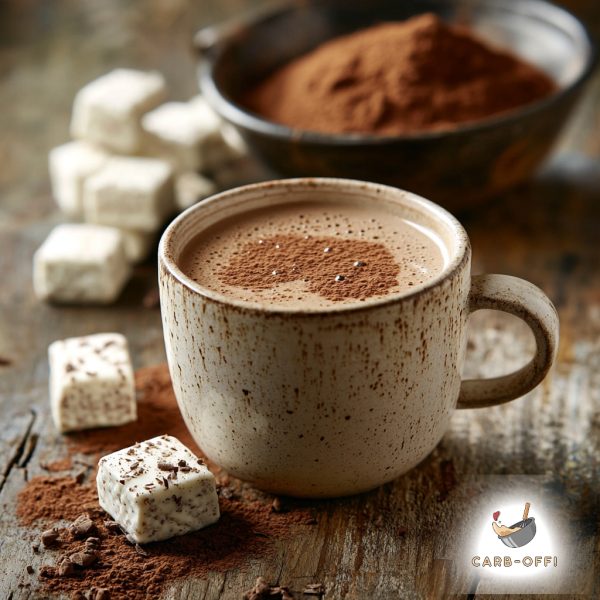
(250, 521)
(395, 78)
(327, 265)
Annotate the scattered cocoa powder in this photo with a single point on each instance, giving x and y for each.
(395, 78)
(64, 464)
(50, 499)
(334, 268)
(105, 562)
(158, 414)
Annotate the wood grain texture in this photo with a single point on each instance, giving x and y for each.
(385, 544)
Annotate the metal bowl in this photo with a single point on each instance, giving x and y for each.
(454, 167)
(521, 537)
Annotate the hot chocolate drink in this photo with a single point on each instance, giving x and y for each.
(320, 352)
(314, 255)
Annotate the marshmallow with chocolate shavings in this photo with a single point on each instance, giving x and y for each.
(91, 382)
(157, 489)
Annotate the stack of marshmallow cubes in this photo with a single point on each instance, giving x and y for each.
(134, 160)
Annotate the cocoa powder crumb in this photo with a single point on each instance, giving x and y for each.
(112, 526)
(82, 526)
(263, 590)
(83, 559)
(65, 568)
(49, 537)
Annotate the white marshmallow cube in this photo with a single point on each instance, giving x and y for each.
(185, 133)
(81, 263)
(131, 193)
(191, 187)
(91, 382)
(107, 111)
(69, 166)
(157, 489)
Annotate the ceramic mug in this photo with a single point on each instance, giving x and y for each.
(334, 401)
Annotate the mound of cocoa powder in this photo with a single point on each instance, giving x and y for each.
(396, 78)
(250, 521)
(327, 265)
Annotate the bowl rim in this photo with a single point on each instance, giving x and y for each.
(242, 117)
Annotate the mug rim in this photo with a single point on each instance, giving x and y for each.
(461, 251)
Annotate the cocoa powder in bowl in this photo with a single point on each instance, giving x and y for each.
(249, 525)
(398, 78)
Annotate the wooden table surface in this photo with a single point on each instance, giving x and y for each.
(547, 443)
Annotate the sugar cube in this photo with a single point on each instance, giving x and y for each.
(69, 166)
(191, 187)
(129, 192)
(157, 489)
(81, 263)
(185, 133)
(91, 382)
(107, 111)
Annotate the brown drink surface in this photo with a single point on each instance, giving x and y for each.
(309, 255)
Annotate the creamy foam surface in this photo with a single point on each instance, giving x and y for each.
(298, 255)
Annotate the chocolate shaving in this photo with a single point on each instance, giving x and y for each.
(165, 466)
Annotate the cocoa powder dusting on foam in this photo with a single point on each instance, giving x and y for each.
(336, 269)
(247, 528)
(396, 78)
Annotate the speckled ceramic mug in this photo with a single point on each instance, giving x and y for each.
(330, 402)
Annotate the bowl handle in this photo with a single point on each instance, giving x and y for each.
(529, 303)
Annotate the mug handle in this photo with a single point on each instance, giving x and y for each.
(529, 303)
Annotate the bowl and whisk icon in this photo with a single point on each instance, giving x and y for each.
(518, 534)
